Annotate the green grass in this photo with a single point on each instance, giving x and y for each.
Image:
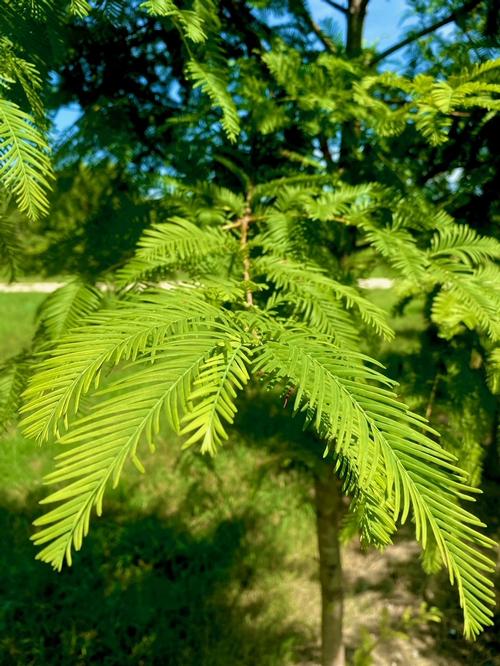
(181, 570)
(17, 321)
(192, 563)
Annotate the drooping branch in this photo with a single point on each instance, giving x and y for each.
(337, 6)
(302, 11)
(324, 39)
(462, 11)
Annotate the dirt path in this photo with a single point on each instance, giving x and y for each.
(30, 287)
(48, 287)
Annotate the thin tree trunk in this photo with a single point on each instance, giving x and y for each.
(356, 14)
(328, 494)
(350, 132)
(328, 498)
(491, 464)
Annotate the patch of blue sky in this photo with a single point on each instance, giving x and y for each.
(65, 117)
(384, 20)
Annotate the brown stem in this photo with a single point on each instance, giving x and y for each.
(324, 39)
(325, 149)
(328, 498)
(432, 397)
(300, 7)
(244, 224)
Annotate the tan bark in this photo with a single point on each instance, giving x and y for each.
(328, 497)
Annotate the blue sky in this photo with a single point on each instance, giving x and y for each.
(383, 21)
(65, 117)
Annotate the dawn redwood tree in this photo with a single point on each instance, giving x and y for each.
(251, 307)
(268, 295)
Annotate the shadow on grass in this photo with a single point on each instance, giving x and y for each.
(266, 422)
(143, 590)
(406, 577)
(448, 635)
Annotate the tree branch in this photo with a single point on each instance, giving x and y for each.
(302, 12)
(338, 6)
(325, 149)
(244, 223)
(326, 41)
(465, 9)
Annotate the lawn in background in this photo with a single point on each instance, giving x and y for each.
(17, 321)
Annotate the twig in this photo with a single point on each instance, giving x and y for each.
(237, 224)
(288, 395)
(324, 39)
(244, 223)
(232, 225)
(432, 397)
(338, 6)
(465, 9)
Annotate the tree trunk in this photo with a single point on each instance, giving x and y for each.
(328, 494)
(328, 497)
(491, 464)
(355, 22)
(356, 15)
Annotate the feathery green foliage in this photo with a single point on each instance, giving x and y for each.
(64, 308)
(258, 291)
(79, 7)
(214, 84)
(177, 243)
(183, 354)
(14, 374)
(9, 238)
(25, 169)
(209, 73)
(190, 22)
